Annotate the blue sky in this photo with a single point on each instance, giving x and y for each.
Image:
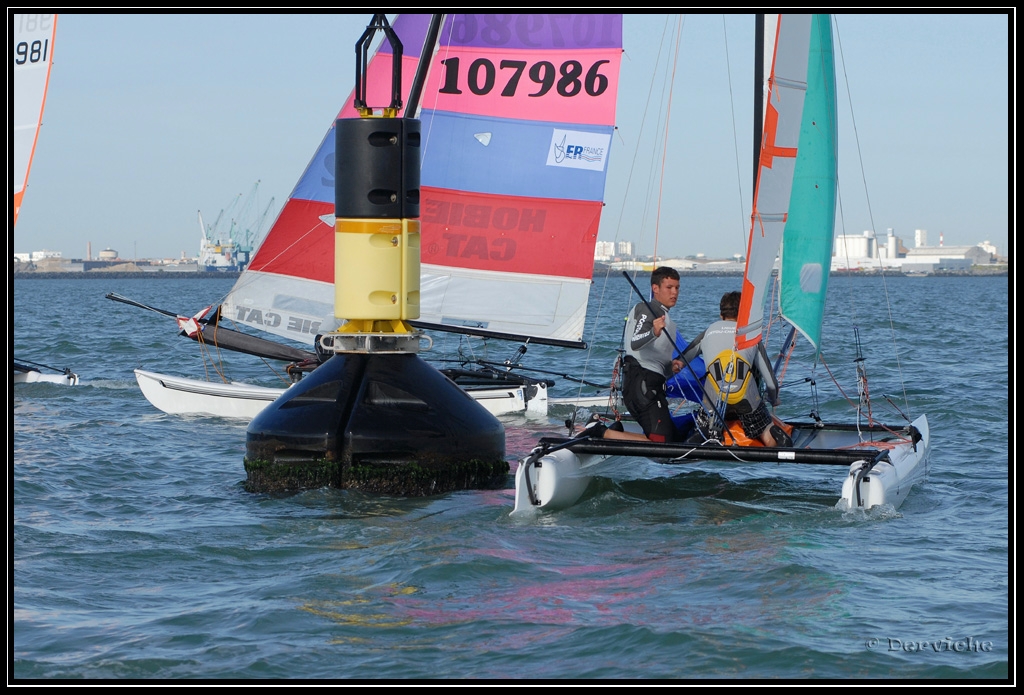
(151, 118)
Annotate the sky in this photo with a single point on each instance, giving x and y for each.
(151, 119)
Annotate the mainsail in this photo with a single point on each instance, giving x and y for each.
(31, 58)
(517, 116)
(794, 200)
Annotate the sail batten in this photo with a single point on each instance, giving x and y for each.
(517, 116)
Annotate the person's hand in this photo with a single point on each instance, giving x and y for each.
(677, 366)
(658, 325)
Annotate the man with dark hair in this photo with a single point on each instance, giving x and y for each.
(650, 361)
(734, 378)
(651, 357)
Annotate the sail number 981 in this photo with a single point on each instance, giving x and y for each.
(568, 79)
(34, 52)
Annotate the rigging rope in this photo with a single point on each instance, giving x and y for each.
(613, 396)
(871, 218)
(735, 140)
(664, 147)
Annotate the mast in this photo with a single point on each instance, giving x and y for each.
(423, 67)
(758, 89)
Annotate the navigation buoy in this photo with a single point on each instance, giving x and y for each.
(379, 423)
(375, 416)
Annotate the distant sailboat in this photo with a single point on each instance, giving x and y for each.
(31, 59)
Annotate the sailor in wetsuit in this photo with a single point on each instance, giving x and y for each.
(650, 353)
(734, 378)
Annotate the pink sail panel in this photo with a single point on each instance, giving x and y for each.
(568, 86)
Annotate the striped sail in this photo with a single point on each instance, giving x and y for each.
(517, 116)
(31, 59)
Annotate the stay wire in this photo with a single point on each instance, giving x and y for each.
(600, 310)
(871, 218)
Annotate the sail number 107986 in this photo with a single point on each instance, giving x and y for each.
(568, 79)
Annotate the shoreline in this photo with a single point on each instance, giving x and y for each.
(173, 275)
(120, 275)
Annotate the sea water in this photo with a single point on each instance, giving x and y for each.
(137, 555)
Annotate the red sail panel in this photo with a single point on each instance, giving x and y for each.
(309, 252)
(544, 236)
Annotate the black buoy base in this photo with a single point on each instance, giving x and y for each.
(382, 423)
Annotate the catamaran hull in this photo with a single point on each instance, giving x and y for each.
(512, 400)
(181, 396)
(33, 377)
(887, 482)
(558, 479)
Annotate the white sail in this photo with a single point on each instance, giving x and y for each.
(31, 59)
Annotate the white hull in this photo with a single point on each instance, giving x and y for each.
(888, 482)
(562, 475)
(33, 377)
(511, 400)
(182, 396)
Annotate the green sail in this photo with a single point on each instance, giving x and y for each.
(806, 254)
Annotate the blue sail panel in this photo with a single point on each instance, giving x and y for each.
(533, 159)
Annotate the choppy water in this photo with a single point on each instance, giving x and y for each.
(137, 554)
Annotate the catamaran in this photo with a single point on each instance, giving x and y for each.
(792, 218)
